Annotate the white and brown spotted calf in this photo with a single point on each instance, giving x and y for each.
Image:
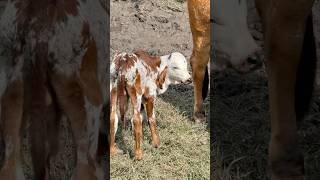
(142, 77)
(53, 64)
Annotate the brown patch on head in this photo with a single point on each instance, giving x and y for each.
(162, 77)
(152, 61)
(124, 62)
(137, 83)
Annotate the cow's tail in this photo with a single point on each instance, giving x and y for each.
(122, 99)
(34, 107)
(205, 86)
(306, 71)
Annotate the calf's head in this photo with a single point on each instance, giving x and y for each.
(233, 42)
(175, 71)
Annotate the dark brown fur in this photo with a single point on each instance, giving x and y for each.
(124, 64)
(152, 61)
(46, 12)
(162, 77)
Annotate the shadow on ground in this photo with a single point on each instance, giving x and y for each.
(241, 125)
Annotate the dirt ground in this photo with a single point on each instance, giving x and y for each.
(241, 119)
(160, 27)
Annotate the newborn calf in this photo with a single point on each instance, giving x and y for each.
(141, 77)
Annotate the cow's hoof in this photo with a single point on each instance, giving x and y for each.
(290, 167)
(156, 142)
(114, 151)
(138, 154)
(199, 117)
(47, 176)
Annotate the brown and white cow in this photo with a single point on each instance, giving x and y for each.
(53, 64)
(142, 77)
(290, 60)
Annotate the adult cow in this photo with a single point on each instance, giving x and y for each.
(290, 60)
(53, 64)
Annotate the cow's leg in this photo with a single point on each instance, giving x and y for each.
(11, 115)
(71, 99)
(113, 122)
(199, 60)
(135, 99)
(284, 39)
(152, 121)
(199, 14)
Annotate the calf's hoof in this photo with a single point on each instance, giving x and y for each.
(138, 154)
(156, 142)
(199, 117)
(114, 150)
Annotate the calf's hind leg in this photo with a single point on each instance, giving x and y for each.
(113, 122)
(135, 99)
(71, 98)
(152, 121)
(11, 115)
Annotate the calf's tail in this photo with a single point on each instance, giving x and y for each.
(122, 99)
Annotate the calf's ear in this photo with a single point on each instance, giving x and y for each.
(162, 77)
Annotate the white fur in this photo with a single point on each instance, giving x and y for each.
(177, 70)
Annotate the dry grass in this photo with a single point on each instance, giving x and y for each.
(241, 119)
(184, 150)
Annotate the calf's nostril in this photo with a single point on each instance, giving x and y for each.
(189, 80)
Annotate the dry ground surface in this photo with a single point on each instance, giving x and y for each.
(160, 27)
(241, 120)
